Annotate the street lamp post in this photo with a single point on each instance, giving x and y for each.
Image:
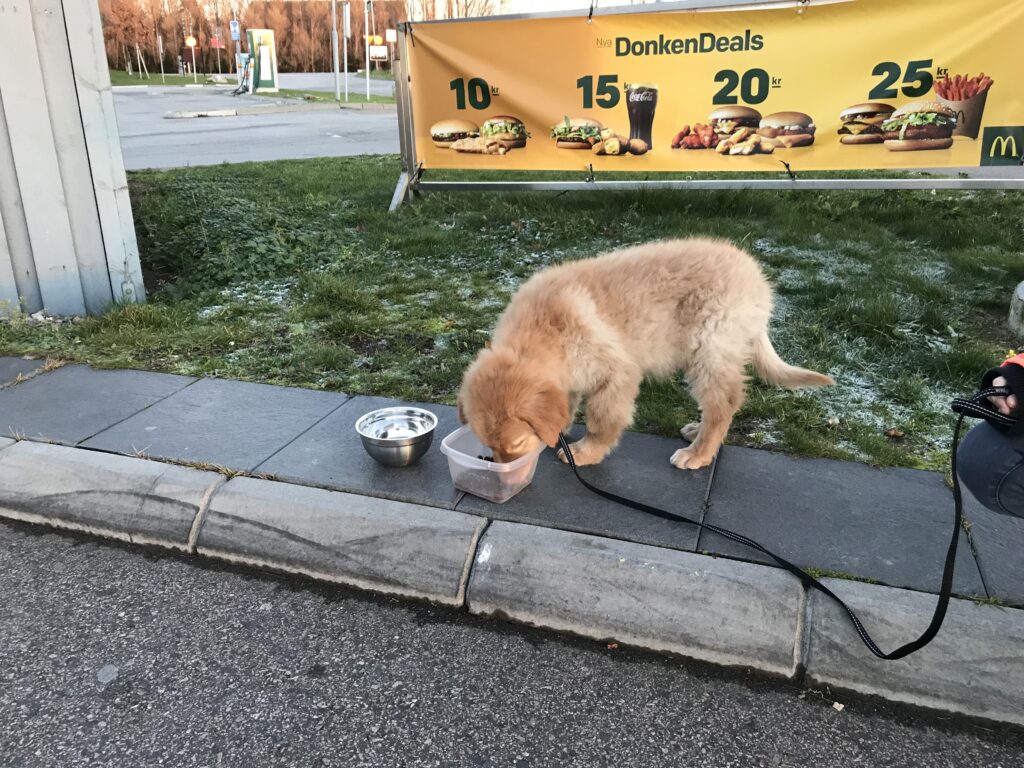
(191, 43)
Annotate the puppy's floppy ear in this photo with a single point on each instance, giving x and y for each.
(472, 380)
(547, 412)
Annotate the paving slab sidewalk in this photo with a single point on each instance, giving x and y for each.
(71, 404)
(330, 455)
(234, 424)
(13, 368)
(839, 517)
(554, 556)
(890, 525)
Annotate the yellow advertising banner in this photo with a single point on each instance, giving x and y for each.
(857, 84)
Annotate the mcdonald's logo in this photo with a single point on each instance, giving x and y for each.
(1003, 146)
(1003, 143)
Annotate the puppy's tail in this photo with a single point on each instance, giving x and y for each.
(775, 370)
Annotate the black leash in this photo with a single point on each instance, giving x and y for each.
(975, 407)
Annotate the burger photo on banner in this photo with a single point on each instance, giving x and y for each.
(444, 133)
(576, 133)
(920, 125)
(862, 123)
(496, 136)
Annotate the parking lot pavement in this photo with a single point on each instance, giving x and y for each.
(149, 140)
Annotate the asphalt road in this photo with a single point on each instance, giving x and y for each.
(116, 656)
(324, 81)
(149, 140)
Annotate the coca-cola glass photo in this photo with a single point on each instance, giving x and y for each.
(641, 100)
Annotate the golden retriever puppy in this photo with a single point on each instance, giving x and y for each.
(593, 329)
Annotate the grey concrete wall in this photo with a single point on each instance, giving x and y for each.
(67, 238)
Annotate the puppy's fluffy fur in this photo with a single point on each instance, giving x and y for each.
(595, 328)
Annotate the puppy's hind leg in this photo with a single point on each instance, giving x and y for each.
(719, 393)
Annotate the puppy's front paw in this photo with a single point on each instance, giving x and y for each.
(585, 452)
(686, 458)
(690, 431)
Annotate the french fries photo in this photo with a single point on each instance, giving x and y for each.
(961, 87)
(966, 96)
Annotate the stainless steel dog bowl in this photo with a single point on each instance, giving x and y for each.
(397, 437)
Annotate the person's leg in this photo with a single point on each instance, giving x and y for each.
(991, 466)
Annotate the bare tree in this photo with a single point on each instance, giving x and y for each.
(302, 28)
(125, 27)
(422, 10)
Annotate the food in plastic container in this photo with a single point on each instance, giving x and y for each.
(473, 471)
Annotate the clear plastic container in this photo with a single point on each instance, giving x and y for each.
(481, 477)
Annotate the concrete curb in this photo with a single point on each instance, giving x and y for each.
(973, 666)
(365, 542)
(121, 497)
(721, 611)
(277, 109)
(186, 114)
(167, 86)
(714, 609)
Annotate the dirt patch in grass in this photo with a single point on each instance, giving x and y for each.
(294, 273)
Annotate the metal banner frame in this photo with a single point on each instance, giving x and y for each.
(411, 183)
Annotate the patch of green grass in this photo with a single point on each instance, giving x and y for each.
(997, 601)
(824, 573)
(355, 96)
(120, 77)
(294, 273)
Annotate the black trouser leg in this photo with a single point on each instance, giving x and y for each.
(991, 465)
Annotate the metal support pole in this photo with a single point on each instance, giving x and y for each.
(366, 36)
(346, 32)
(160, 48)
(720, 184)
(195, 78)
(334, 49)
(409, 180)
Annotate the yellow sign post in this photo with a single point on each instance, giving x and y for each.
(821, 86)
